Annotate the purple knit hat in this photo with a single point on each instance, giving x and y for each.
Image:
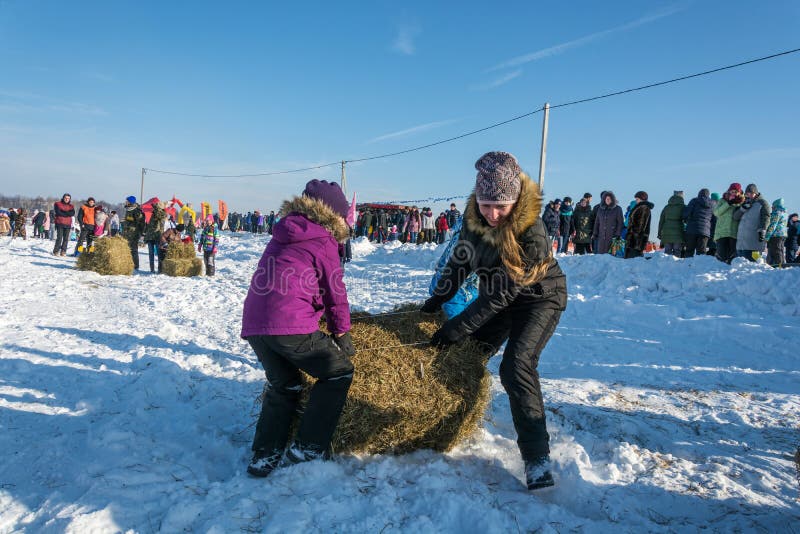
(498, 180)
(328, 193)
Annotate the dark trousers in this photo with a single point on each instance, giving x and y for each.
(62, 239)
(152, 252)
(86, 235)
(133, 244)
(775, 251)
(283, 357)
(583, 248)
(696, 243)
(726, 249)
(528, 329)
(208, 258)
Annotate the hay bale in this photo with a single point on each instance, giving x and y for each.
(180, 251)
(183, 267)
(108, 255)
(409, 398)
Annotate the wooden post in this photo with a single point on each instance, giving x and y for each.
(141, 191)
(344, 180)
(543, 155)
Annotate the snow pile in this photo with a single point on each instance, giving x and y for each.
(127, 403)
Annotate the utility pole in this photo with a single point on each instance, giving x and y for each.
(543, 155)
(344, 180)
(141, 191)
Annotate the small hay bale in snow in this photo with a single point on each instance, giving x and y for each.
(111, 255)
(180, 251)
(183, 267)
(414, 397)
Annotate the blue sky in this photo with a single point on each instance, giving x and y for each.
(92, 91)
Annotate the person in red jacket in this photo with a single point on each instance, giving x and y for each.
(64, 211)
(441, 228)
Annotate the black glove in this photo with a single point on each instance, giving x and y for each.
(345, 343)
(432, 305)
(444, 337)
(761, 235)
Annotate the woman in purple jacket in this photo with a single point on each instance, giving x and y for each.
(298, 278)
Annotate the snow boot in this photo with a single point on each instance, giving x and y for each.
(537, 473)
(264, 462)
(297, 454)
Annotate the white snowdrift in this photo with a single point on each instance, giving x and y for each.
(127, 404)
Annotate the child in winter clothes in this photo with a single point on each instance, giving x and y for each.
(100, 222)
(776, 234)
(209, 239)
(298, 278)
(521, 294)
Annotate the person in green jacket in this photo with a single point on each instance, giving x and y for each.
(133, 227)
(670, 225)
(727, 227)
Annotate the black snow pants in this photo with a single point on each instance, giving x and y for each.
(86, 236)
(528, 329)
(282, 358)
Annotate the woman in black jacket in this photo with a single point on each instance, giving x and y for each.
(522, 292)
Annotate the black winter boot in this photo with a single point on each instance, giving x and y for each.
(537, 473)
(297, 454)
(264, 462)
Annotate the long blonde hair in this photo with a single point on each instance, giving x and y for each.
(512, 255)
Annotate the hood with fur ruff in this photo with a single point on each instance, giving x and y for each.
(524, 215)
(320, 213)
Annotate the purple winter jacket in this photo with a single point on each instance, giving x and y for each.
(299, 275)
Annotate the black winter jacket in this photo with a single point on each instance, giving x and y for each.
(478, 250)
(552, 221)
(697, 215)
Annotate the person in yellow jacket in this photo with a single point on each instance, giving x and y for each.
(187, 217)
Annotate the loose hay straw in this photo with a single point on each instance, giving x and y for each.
(414, 397)
(178, 250)
(183, 267)
(111, 255)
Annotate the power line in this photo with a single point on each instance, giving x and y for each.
(657, 84)
(495, 125)
(473, 132)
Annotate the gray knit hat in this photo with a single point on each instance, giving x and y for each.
(498, 180)
(751, 188)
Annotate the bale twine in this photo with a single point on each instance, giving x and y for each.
(108, 255)
(183, 267)
(413, 397)
(180, 251)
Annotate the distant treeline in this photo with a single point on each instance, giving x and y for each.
(46, 203)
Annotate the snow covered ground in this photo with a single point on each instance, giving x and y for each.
(128, 403)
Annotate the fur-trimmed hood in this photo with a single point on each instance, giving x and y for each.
(524, 215)
(318, 212)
